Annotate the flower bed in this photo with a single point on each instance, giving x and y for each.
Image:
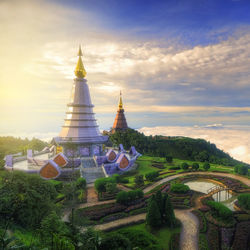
(213, 237)
(226, 237)
(241, 237)
(219, 222)
(133, 207)
(138, 211)
(96, 213)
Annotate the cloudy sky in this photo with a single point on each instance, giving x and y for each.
(182, 65)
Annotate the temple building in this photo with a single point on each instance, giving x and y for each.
(120, 122)
(80, 128)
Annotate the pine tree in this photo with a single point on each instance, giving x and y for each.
(153, 218)
(169, 213)
(160, 203)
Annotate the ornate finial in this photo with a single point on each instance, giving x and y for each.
(80, 72)
(120, 101)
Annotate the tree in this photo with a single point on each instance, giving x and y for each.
(52, 225)
(139, 180)
(115, 241)
(206, 166)
(169, 216)
(153, 217)
(160, 202)
(184, 166)
(195, 166)
(25, 198)
(243, 170)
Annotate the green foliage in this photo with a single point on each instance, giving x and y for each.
(244, 201)
(125, 198)
(160, 211)
(81, 183)
(115, 241)
(25, 198)
(174, 168)
(151, 176)
(153, 218)
(195, 166)
(51, 225)
(140, 239)
(139, 180)
(111, 187)
(91, 239)
(206, 166)
(241, 169)
(179, 188)
(181, 148)
(220, 211)
(184, 166)
(169, 159)
(100, 184)
(169, 216)
(203, 245)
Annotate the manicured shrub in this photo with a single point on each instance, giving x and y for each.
(169, 159)
(139, 180)
(111, 187)
(206, 166)
(179, 188)
(195, 166)
(244, 201)
(184, 166)
(140, 239)
(81, 183)
(220, 211)
(151, 176)
(174, 168)
(125, 198)
(100, 184)
(115, 241)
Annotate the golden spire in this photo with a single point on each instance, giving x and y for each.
(80, 72)
(120, 101)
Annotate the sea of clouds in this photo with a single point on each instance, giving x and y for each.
(234, 140)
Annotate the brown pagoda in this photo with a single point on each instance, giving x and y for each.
(120, 122)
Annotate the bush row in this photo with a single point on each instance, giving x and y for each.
(126, 198)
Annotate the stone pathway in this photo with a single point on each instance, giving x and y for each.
(121, 222)
(190, 229)
(169, 178)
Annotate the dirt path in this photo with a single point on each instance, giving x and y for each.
(189, 231)
(121, 222)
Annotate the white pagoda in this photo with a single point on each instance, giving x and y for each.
(80, 127)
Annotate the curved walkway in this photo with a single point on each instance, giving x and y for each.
(190, 229)
(172, 177)
(190, 224)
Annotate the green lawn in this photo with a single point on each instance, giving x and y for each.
(145, 166)
(163, 235)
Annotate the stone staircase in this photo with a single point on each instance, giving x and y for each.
(90, 170)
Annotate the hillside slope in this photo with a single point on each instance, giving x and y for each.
(177, 147)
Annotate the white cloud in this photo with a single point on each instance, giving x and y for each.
(234, 140)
